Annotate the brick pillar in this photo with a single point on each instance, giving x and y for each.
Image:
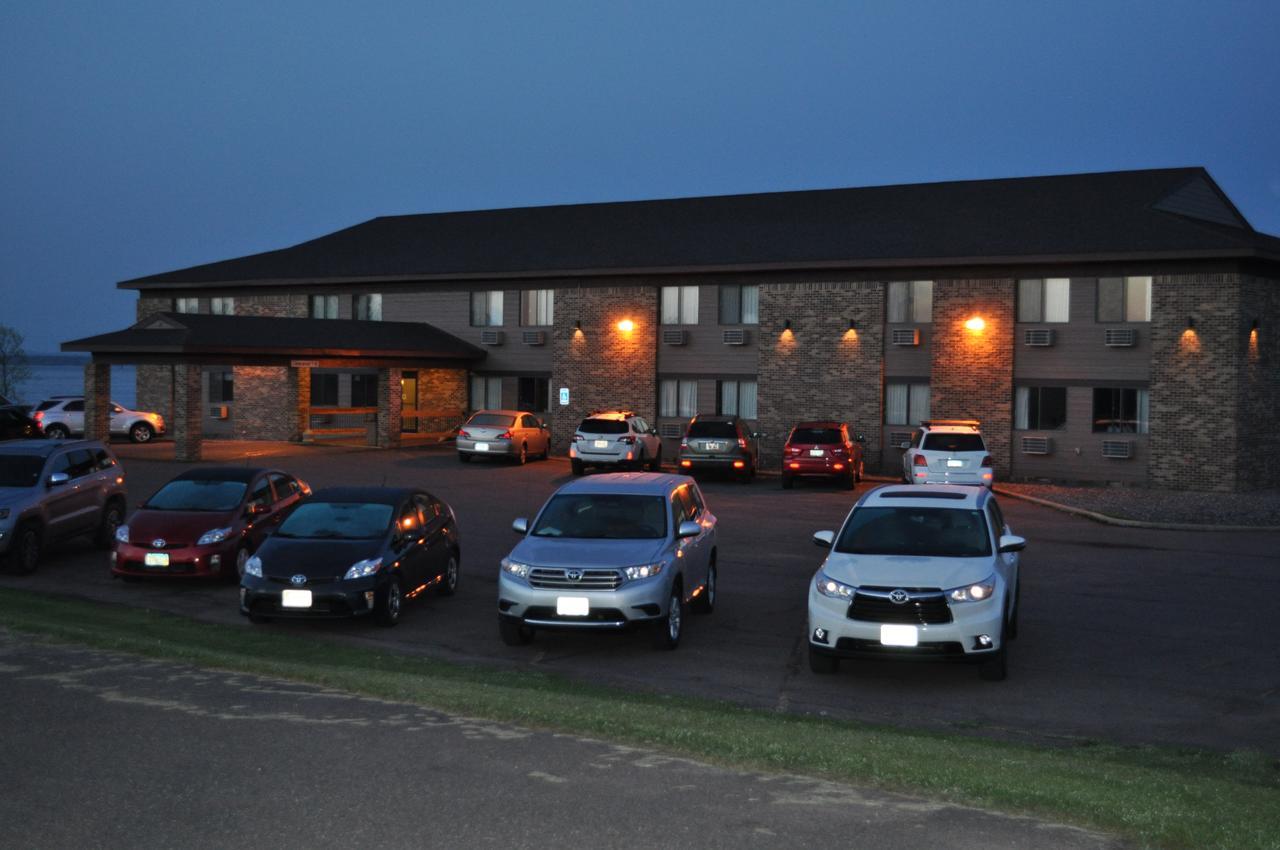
(97, 400)
(390, 400)
(188, 419)
(299, 400)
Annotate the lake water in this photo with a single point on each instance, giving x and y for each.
(68, 379)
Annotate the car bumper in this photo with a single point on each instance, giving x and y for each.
(816, 467)
(188, 561)
(632, 604)
(979, 478)
(843, 637)
(339, 599)
(726, 462)
(603, 457)
(492, 447)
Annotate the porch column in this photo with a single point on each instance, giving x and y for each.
(299, 401)
(390, 402)
(97, 401)
(188, 417)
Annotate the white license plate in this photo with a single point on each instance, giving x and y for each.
(715, 447)
(295, 599)
(482, 447)
(955, 463)
(600, 444)
(816, 452)
(573, 606)
(156, 559)
(895, 635)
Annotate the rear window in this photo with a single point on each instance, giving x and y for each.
(940, 532)
(816, 436)
(953, 443)
(491, 420)
(20, 470)
(603, 426)
(713, 429)
(45, 405)
(604, 516)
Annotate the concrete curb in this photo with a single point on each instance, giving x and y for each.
(1129, 523)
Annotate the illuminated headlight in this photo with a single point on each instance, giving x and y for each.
(365, 568)
(643, 571)
(514, 568)
(828, 586)
(974, 592)
(122, 534)
(253, 567)
(214, 535)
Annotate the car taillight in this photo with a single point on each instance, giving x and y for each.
(505, 435)
(792, 450)
(577, 438)
(986, 461)
(684, 444)
(466, 435)
(627, 439)
(742, 442)
(38, 416)
(920, 461)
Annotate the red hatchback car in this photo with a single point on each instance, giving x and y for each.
(205, 523)
(822, 449)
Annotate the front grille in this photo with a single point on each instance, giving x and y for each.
(926, 606)
(558, 579)
(311, 581)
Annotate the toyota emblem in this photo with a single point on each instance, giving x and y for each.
(899, 597)
(158, 543)
(298, 580)
(573, 575)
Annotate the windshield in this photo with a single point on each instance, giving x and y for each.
(953, 443)
(603, 426)
(197, 495)
(945, 532)
(491, 420)
(339, 520)
(815, 436)
(604, 516)
(20, 470)
(723, 430)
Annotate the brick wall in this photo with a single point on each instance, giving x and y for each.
(1260, 388)
(266, 401)
(971, 372)
(287, 306)
(442, 398)
(603, 367)
(820, 369)
(390, 405)
(188, 422)
(153, 385)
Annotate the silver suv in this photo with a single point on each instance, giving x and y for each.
(617, 438)
(63, 415)
(52, 490)
(611, 552)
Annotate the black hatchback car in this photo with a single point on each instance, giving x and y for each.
(352, 552)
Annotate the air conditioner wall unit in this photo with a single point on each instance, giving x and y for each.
(1037, 445)
(735, 336)
(905, 336)
(534, 337)
(674, 336)
(491, 337)
(1120, 337)
(671, 429)
(1117, 449)
(219, 411)
(1038, 337)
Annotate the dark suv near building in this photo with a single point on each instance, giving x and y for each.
(719, 442)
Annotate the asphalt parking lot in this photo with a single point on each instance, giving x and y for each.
(1127, 635)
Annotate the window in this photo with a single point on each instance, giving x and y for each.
(486, 309)
(364, 389)
(740, 305)
(223, 305)
(261, 494)
(324, 306)
(1124, 299)
(533, 394)
(284, 485)
(537, 307)
(221, 386)
(367, 308)
(679, 305)
(910, 302)
(737, 398)
(1046, 300)
(677, 398)
(76, 464)
(905, 403)
(1039, 408)
(74, 406)
(486, 393)
(324, 389)
(186, 305)
(1121, 411)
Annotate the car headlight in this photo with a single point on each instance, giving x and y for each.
(974, 592)
(514, 568)
(364, 569)
(828, 586)
(253, 567)
(643, 571)
(214, 535)
(122, 534)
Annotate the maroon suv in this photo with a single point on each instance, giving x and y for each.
(822, 449)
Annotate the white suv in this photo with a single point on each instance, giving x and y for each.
(923, 572)
(947, 451)
(63, 415)
(616, 438)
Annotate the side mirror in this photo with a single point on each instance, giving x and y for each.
(825, 539)
(57, 479)
(520, 525)
(688, 528)
(1012, 543)
(904, 445)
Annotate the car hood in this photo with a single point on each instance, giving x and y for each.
(176, 526)
(13, 496)
(562, 552)
(283, 557)
(907, 570)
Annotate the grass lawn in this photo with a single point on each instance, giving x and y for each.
(1156, 796)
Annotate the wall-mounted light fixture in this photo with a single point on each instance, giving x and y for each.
(786, 326)
(1191, 323)
(626, 326)
(1254, 327)
(577, 325)
(976, 324)
(853, 324)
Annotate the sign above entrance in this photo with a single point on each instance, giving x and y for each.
(305, 364)
(564, 396)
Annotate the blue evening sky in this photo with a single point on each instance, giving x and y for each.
(137, 137)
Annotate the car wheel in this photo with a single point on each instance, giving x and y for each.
(640, 462)
(576, 466)
(787, 482)
(463, 457)
(24, 557)
(449, 585)
(523, 457)
(1011, 624)
(513, 632)
(388, 611)
(667, 631)
(242, 558)
(705, 602)
(141, 432)
(821, 663)
(112, 516)
(57, 432)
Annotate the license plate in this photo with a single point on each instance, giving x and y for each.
(816, 452)
(156, 559)
(295, 599)
(600, 444)
(482, 447)
(894, 635)
(955, 463)
(573, 606)
(714, 447)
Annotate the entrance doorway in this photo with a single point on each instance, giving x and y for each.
(409, 402)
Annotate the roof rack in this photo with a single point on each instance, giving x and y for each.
(959, 423)
(928, 494)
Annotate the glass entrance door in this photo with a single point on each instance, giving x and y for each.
(408, 402)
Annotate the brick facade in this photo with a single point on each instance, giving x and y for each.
(263, 403)
(97, 401)
(1260, 383)
(390, 405)
(442, 399)
(286, 306)
(188, 420)
(153, 385)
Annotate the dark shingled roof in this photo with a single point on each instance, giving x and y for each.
(1162, 213)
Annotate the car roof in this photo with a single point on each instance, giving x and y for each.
(818, 423)
(44, 448)
(626, 483)
(367, 495)
(952, 426)
(501, 412)
(945, 496)
(713, 417)
(222, 473)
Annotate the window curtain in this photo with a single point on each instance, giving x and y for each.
(730, 304)
(688, 305)
(1030, 302)
(895, 404)
(688, 398)
(1144, 411)
(919, 404)
(1137, 298)
(1021, 401)
(668, 399)
(495, 308)
(747, 400)
(477, 392)
(728, 398)
(921, 301)
(670, 305)
(897, 301)
(1057, 299)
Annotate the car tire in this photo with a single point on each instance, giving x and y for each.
(821, 663)
(57, 431)
(522, 457)
(463, 457)
(24, 555)
(1011, 622)
(705, 602)
(787, 482)
(667, 631)
(449, 585)
(576, 466)
(514, 632)
(242, 558)
(141, 432)
(112, 516)
(390, 602)
(640, 462)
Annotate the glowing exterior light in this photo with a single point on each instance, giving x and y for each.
(626, 326)
(977, 324)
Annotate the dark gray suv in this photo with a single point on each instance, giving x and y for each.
(55, 489)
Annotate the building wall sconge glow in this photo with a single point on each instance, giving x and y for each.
(626, 326)
(577, 327)
(977, 324)
(786, 327)
(1191, 324)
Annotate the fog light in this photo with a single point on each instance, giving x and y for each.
(368, 598)
(820, 635)
(983, 641)
(686, 463)
(837, 467)
(215, 561)
(737, 464)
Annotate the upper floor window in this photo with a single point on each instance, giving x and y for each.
(324, 306)
(679, 305)
(486, 308)
(537, 307)
(906, 403)
(910, 301)
(1047, 300)
(186, 305)
(737, 398)
(740, 305)
(1121, 410)
(677, 398)
(367, 307)
(1124, 299)
(223, 305)
(1039, 408)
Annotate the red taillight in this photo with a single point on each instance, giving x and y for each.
(466, 435)
(686, 463)
(739, 464)
(794, 465)
(837, 466)
(628, 440)
(920, 461)
(986, 461)
(742, 442)
(505, 435)
(792, 450)
(577, 438)
(684, 443)
(38, 416)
